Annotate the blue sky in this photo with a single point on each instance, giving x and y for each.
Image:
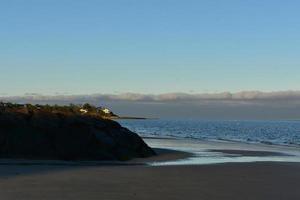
(153, 46)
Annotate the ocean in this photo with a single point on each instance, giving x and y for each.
(266, 132)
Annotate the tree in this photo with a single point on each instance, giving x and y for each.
(89, 107)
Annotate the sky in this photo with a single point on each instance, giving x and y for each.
(157, 46)
(66, 47)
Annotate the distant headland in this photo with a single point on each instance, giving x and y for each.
(71, 109)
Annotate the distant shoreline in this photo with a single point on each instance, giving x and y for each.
(127, 117)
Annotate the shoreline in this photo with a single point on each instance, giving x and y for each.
(130, 118)
(163, 155)
(225, 141)
(172, 151)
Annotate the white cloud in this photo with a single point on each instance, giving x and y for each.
(244, 96)
(225, 105)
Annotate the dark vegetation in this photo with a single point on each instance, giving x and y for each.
(65, 133)
(63, 109)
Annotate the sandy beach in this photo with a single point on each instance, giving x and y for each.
(225, 181)
(139, 180)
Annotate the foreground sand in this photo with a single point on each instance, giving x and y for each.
(135, 180)
(265, 181)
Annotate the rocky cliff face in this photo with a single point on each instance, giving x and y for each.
(42, 135)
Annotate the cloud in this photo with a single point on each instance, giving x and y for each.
(225, 105)
(244, 96)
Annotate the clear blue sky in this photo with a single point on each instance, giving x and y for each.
(148, 46)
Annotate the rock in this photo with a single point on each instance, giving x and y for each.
(41, 135)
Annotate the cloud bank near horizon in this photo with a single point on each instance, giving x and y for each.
(244, 96)
(225, 105)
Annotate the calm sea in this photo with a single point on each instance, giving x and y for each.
(267, 132)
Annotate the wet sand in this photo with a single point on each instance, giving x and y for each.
(224, 181)
(140, 179)
(261, 180)
(235, 152)
(163, 155)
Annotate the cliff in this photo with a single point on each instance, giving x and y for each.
(47, 135)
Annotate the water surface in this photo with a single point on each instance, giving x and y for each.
(267, 132)
(202, 137)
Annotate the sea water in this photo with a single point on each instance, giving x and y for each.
(266, 132)
(199, 137)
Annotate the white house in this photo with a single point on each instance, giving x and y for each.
(106, 110)
(83, 111)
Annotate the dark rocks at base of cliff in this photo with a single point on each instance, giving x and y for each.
(67, 137)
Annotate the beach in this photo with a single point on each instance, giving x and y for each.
(147, 179)
(227, 181)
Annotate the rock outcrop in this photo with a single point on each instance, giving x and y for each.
(42, 135)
